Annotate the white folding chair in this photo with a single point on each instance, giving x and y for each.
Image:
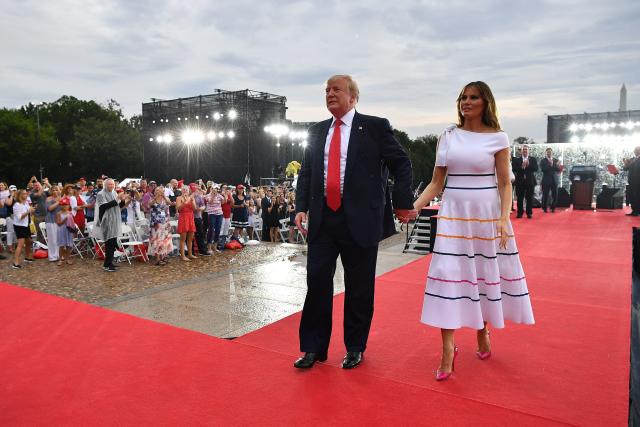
(3, 232)
(175, 237)
(128, 242)
(83, 244)
(284, 229)
(98, 243)
(257, 228)
(43, 230)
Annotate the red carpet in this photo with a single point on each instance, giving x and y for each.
(572, 366)
(69, 363)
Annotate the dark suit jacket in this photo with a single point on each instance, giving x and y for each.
(634, 172)
(372, 149)
(550, 171)
(524, 177)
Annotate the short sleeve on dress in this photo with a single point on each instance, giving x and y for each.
(443, 146)
(501, 143)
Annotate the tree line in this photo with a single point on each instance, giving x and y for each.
(70, 138)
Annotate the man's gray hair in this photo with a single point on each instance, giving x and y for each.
(351, 84)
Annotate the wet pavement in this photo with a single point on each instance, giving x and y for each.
(226, 295)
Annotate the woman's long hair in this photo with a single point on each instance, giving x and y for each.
(490, 113)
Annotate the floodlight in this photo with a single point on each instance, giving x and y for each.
(267, 129)
(231, 134)
(160, 138)
(197, 117)
(277, 144)
(186, 137)
(233, 114)
(153, 121)
(150, 139)
(221, 134)
(211, 135)
(200, 137)
(574, 138)
(217, 116)
(179, 119)
(168, 138)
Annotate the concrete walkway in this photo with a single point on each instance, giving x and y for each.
(238, 300)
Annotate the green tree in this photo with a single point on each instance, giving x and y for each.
(111, 147)
(422, 153)
(21, 153)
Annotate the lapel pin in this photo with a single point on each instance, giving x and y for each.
(359, 127)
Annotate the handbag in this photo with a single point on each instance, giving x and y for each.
(71, 226)
(32, 225)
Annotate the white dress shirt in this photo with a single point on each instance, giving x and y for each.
(345, 132)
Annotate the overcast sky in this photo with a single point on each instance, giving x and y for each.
(410, 57)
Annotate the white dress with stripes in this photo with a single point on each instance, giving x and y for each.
(471, 280)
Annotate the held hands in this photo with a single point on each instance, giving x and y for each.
(405, 215)
(300, 218)
(502, 232)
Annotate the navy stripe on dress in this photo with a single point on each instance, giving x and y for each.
(470, 188)
(475, 255)
(470, 174)
(477, 300)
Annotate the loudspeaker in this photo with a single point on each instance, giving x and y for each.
(609, 198)
(563, 201)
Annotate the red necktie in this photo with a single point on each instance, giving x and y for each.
(333, 169)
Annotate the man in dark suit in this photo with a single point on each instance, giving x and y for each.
(524, 168)
(550, 168)
(632, 166)
(265, 204)
(342, 185)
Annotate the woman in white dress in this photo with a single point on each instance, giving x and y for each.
(475, 275)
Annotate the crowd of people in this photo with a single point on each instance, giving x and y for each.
(208, 216)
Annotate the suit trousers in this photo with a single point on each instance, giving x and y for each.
(359, 264)
(524, 194)
(634, 192)
(546, 189)
(109, 250)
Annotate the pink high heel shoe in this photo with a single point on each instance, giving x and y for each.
(440, 375)
(482, 355)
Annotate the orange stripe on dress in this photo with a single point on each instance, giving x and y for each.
(468, 219)
(471, 237)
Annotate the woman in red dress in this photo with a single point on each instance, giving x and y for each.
(186, 205)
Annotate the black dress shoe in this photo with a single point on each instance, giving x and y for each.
(519, 216)
(529, 216)
(632, 214)
(352, 359)
(308, 360)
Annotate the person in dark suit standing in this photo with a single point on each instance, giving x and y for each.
(524, 168)
(342, 186)
(550, 168)
(632, 166)
(265, 204)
